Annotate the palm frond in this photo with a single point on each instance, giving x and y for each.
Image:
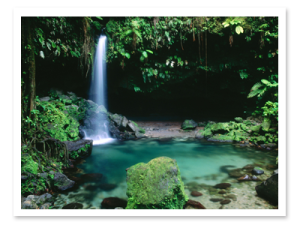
(254, 93)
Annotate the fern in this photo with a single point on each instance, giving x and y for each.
(254, 93)
(256, 86)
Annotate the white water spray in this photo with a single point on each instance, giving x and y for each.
(98, 94)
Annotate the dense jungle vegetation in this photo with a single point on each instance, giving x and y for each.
(203, 66)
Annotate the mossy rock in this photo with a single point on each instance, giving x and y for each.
(189, 125)
(220, 127)
(155, 185)
(221, 138)
(56, 123)
(259, 139)
(199, 134)
(249, 122)
(28, 165)
(238, 119)
(255, 128)
(266, 124)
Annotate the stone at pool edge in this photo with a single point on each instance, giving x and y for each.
(196, 193)
(73, 205)
(189, 124)
(269, 189)
(222, 185)
(225, 201)
(257, 171)
(192, 204)
(113, 202)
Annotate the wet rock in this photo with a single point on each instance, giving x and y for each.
(73, 205)
(222, 192)
(62, 182)
(91, 177)
(225, 201)
(222, 185)
(269, 189)
(188, 125)
(231, 196)
(248, 167)
(257, 171)
(225, 169)
(275, 172)
(255, 178)
(245, 178)
(45, 99)
(236, 173)
(196, 193)
(216, 199)
(107, 187)
(191, 204)
(238, 119)
(157, 182)
(113, 202)
(46, 206)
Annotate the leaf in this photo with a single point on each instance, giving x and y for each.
(149, 51)
(244, 75)
(145, 54)
(266, 82)
(98, 17)
(48, 45)
(167, 34)
(253, 93)
(127, 55)
(41, 55)
(256, 86)
(138, 34)
(142, 59)
(239, 30)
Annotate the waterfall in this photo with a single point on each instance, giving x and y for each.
(98, 94)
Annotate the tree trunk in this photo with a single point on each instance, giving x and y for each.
(31, 67)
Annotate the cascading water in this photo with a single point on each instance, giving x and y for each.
(99, 122)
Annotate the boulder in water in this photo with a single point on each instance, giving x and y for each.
(79, 149)
(113, 202)
(269, 189)
(191, 204)
(73, 205)
(188, 125)
(62, 182)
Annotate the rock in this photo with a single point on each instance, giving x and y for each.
(44, 198)
(238, 119)
(199, 134)
(269, 189)
(124, 122)
(119, 208)
(225, 201)
(113, 202)
(73, 205)
(196, 193)
(216, 199)
(255, 178)
(91, 177)
(222, 185)
(266, 124)
(156, 184)
(248, 167)
(255, 128)
(224, 169)
(188, 125)
(107, 187)
(257, 171)
(46, 206)
(222, 192)
(221, 138)
(236, 173)
(27, 204)
(275, 172)
(269, 145)
(245, 178)
(191, 204)
(79, 149)
(45, 99)
(117, 119)
(62, 182)
(232, 196)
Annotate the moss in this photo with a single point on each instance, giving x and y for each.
(238, 119)
(155, 185)
(221, 138)
(80, 152)
(255, 128)
(266, 124)
(28, 165)
(56, 123)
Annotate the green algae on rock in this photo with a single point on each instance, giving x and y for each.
(188, 125)
(155, 185)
